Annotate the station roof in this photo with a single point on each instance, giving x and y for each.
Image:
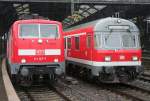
(61, 10)
(87, 1)
(11, 11)
(93, 12)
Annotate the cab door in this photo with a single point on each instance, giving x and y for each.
(66, 46)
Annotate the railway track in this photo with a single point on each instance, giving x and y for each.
(59, 92)
(146, 56)
(84, 91)
(145, 78)
(137, 91)
(93, 92)
(40, 93)
(80, 92)
(133, 93)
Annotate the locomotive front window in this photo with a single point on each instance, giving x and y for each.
(48, 31)
(129, 40)
(38, 31)
(29, 31)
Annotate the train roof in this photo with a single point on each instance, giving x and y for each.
(103, 24)
(36, 21)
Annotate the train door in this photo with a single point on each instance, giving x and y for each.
(88, 51)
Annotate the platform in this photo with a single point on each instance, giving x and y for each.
(3, 96)
(7, 91)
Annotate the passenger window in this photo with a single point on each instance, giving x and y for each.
(88, 41)
(69, 43)
(77, 43)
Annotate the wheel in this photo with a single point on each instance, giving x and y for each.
(123, 77)
(25, 81)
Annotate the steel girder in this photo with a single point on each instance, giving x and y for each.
(87, 1)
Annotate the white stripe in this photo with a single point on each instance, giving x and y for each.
(95, 63)
(76, 34)
(52, 51)
(26, 52)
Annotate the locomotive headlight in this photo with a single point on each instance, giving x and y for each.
(40, 41)
(107, 58)
(23, 60)
(56, 60)
(134, 58)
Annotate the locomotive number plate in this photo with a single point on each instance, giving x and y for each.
(40, 52)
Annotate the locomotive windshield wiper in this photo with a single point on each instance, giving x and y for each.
(108, 35)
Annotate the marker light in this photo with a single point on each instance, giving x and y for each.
(55, 60)
(134, 58)
(107, 58)
(118, 21)
(23, 60)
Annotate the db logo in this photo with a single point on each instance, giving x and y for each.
(40, 52)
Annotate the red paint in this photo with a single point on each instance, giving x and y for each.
(93, 54)
(16, 43)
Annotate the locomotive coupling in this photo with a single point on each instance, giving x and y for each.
(109, 69)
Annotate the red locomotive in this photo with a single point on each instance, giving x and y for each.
(35, 48)
(108, 49)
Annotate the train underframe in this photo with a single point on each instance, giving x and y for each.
(107, 74)
(26, 74)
